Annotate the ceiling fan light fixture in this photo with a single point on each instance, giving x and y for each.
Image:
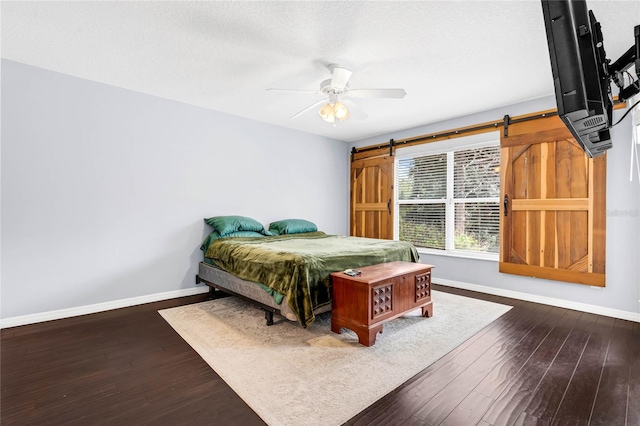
(326, 112)
(340, 111)
(332, 110)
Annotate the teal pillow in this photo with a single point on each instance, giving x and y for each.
(292, 226)
(228, 224)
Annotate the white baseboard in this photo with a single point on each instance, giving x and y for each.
(98, 307)
(583, 307)
(123, 303)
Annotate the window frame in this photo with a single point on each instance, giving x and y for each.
(462, 143)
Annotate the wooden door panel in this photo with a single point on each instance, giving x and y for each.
(372, 198)
(532, 172)
(533, 237)
(554, 223)
(519, 235)
(549, 245)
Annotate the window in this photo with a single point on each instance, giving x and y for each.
(448, 197)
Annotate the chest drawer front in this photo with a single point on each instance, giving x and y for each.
(423, 286)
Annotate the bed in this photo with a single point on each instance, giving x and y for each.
(286, 271)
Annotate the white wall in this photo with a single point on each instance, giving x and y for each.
(621, 295)
(104, 189)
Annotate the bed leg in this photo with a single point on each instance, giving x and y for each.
(268, 315)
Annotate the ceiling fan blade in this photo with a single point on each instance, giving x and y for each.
(377, 93)
(295, 91)
(315, 104)
(340, 77)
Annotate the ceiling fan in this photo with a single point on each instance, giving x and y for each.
(337, 91)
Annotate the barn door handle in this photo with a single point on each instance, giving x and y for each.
(389, 205)
(506, 204)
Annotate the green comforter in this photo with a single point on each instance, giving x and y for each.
(298, 265)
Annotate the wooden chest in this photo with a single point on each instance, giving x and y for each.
(362, 303)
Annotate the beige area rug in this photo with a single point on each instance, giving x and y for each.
(294, 376)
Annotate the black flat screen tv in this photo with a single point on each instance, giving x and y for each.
(580, 75)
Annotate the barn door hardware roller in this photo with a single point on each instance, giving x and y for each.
(506, 125)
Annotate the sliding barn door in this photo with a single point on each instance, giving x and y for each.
(553, 205)
(372, 197)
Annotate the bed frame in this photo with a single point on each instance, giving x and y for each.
(221, 281)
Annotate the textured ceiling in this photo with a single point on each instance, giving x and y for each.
(452, 57)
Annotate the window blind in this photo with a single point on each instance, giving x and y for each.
(423, 178)
(476, 191)
(450, 201)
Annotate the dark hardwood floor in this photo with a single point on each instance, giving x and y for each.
(535, 365)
